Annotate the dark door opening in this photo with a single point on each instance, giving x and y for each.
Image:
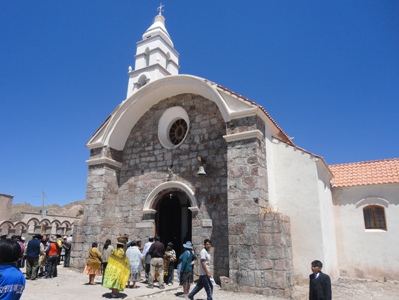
(173, 220)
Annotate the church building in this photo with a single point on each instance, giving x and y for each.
(187, 159)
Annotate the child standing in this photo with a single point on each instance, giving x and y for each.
(319, 283)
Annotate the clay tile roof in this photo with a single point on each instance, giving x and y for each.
(366, 173)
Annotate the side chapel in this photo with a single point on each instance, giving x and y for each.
(186, 158)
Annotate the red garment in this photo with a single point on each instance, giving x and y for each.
(53, 249)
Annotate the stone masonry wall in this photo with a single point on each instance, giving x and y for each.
(146, 162)
(259, 240)
(100, 213)
(115, 198)
(263, 266)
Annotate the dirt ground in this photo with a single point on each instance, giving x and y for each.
(74, 284)
(352, 289)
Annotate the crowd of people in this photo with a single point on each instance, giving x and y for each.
(43, 254)
(121, 266)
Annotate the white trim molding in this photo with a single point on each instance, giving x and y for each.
(167, 186)
(244, 136)
(104, 160)
(372, 201)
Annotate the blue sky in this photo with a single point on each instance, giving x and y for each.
(326, 71)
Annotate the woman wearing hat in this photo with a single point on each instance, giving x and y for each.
(186, 268)
(93, 264)
(118, 269)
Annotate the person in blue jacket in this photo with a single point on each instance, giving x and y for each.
(186, 261)
(12, 281)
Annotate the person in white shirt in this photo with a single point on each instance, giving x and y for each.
(205, 273)
(147, 258)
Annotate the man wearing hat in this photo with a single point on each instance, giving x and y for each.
(157, 250)
(32, 251)
(52, 251)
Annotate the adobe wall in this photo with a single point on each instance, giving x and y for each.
(5, 206)
(366, 253)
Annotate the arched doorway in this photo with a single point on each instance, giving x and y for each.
(173, 220)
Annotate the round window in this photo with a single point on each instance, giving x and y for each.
(177, 131)
(173, 127)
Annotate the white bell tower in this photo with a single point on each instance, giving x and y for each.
(155, 56)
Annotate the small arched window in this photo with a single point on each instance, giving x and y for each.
(374, 217)
(142, 81)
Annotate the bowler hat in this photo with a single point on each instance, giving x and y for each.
(121, 240)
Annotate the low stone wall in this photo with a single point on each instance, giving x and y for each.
(265, 266)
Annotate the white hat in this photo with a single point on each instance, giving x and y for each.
(188, 245)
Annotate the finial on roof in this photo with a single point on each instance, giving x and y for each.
(160, 9)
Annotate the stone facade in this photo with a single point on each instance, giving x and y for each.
(230, 202)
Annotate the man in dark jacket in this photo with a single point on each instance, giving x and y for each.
(319, 283)
(32, 251)
(157, 250)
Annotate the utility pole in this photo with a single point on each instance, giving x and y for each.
(44, 213)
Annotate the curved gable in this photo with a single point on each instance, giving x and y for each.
(115, 131)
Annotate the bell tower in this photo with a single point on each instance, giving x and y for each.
(156, 56)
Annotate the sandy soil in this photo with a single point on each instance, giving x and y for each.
(74, 284)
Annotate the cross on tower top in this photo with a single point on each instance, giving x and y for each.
(160, 8)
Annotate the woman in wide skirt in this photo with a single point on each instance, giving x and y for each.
(118, 270)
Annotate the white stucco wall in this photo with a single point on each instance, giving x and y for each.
(327, 216)
(300, 190)
(367, 253)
